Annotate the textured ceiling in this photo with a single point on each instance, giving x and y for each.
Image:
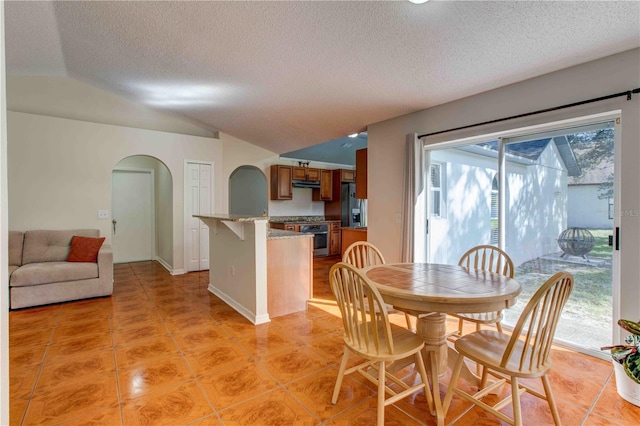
(285, 75)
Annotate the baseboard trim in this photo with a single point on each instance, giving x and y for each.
(255, 319)
(168, 267)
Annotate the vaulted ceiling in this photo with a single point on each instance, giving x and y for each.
(287, 75)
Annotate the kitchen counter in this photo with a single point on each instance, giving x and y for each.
(355, 228)
(280, 234)
(351, 235)
(232, 217)
(240, 274)
(300, 219)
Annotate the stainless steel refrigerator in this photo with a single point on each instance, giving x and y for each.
(354, 210)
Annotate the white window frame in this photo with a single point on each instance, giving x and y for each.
(494, 193)
(437, 192)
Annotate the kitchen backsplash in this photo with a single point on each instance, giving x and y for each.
(301, 205)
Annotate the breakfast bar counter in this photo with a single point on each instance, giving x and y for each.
(260, 272)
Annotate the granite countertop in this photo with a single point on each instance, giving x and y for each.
(300, 219)
(232, 217)
(279, 234)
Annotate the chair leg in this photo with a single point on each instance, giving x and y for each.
(499, 326)
(381, 392)
(453, 382)
(425, 380)
(478, 366)
(460, 325)
(484, 378)
(343, 367)
(515, 397)
(550, 400)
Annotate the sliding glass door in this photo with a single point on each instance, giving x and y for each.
(547, 199)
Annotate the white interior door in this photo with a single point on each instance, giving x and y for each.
(198, 201)
(132, 215)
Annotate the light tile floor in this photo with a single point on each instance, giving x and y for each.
(163, 350)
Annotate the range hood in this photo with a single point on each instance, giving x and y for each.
(305, 184)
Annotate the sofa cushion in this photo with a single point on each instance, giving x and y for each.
(12, 268)
(84, 249)
(51, 246)
(52, 272)
(15, 247)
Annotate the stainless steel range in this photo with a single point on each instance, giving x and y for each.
(320, 238)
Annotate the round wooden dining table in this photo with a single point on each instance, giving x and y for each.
(430, 291)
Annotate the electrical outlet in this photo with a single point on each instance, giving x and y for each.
(233, 270)
(103, 214)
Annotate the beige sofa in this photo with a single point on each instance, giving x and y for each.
(39, 273)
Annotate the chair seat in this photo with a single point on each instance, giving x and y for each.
(487, 347)
(405, 343)
(482, 317)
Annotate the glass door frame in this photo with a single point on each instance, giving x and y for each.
(549, 126)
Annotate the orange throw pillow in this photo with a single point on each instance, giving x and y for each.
(84, 249)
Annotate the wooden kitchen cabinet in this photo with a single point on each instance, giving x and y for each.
(285, 226)
(351, 235)
(306, 174)
(361, 173)
(325, 192)
(334, 239)
(289, 275)
(281, 177)
(347, 175)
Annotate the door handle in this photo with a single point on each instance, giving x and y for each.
(114, 226)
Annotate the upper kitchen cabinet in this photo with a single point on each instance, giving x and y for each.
(306, 174)
(361, 173)
(325, 192)
(347, 175)
(281, 177)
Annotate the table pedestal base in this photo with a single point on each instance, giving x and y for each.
(439, 356)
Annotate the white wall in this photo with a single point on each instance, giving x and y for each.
(60, 171)
(164, 215)
(239, 276)
(300, 205)
(536, 206)
(533, 192)
(238, 153)
(586, 210)
(466, 211)
(248, 192)
(4, 240)
(614, 74)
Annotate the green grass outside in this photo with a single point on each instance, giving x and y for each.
(589, 305)
(602, 249)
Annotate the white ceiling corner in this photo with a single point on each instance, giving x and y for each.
(38, 52)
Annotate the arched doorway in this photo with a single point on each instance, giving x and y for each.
(248, 192)
(142, 210)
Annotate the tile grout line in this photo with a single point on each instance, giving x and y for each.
(597, 398)
(40, 369)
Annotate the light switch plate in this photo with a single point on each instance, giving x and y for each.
(103, 214)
